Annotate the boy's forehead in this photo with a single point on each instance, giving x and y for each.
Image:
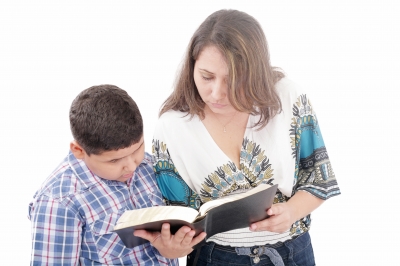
(113, 154)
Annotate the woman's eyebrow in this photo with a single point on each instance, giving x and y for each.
(205, 70)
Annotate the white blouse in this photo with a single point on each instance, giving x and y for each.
(289, 151)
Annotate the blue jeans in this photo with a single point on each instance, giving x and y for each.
(296, 252)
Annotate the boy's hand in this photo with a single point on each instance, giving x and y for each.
(172, 246)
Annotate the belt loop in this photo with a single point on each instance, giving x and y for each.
(288, 244)
(211, 246)
(196, 257)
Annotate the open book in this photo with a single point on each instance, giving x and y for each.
(216, 216)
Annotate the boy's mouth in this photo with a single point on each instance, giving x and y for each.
(129, 175)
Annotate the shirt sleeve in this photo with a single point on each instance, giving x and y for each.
(56, 233)
(313, 172)
(175, 191)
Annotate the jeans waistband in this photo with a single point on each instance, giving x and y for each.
(233, 249)
(277, 245)
(278, 253)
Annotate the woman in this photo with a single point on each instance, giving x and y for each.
(232, 123)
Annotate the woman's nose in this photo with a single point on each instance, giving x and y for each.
(219, 90)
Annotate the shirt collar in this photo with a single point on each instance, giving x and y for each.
(88, 178)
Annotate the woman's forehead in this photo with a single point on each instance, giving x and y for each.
(212, 60)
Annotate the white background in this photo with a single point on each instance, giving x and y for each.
(344, 54)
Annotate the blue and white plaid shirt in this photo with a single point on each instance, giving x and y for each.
(74, 212)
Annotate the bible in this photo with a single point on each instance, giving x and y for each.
(215, 216)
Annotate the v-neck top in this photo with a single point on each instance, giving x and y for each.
(289, 151)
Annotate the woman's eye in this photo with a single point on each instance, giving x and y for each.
(206, 78)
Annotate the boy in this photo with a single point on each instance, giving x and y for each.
(105, 173)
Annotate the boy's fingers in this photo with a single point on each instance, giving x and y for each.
(165, 232)
(187, 240)
(181, 234)
(198, 238)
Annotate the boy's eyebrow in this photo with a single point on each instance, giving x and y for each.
(113, 159)
(127, 155)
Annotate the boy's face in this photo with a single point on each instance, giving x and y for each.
(118, 165)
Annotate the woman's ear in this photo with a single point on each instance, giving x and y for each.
(77, 150)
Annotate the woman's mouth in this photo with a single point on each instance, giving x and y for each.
(217, 105)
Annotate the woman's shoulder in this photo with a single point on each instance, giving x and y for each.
(172, 115)
(286, 87)
(288, 91)
(173, 118)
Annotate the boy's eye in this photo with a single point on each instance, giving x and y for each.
(206, 78)
(114, 161)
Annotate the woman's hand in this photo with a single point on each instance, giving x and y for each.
(172, 246)
(280, 220)
(283, 215)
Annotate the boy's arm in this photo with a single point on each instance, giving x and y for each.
(56, 233)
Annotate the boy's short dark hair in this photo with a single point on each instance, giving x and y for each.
(105, 118)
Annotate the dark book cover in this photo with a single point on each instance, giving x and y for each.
(228, 216)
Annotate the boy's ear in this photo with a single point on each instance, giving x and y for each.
(77, 150)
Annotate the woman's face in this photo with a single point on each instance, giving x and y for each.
(210, 76)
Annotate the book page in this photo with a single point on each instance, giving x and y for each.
(214, 203)
(157, 213)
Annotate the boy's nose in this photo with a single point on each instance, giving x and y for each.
(130, 165)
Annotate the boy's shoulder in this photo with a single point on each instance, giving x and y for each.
(67, 179)
(146, 166)
(148, 159)
(72, 177)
